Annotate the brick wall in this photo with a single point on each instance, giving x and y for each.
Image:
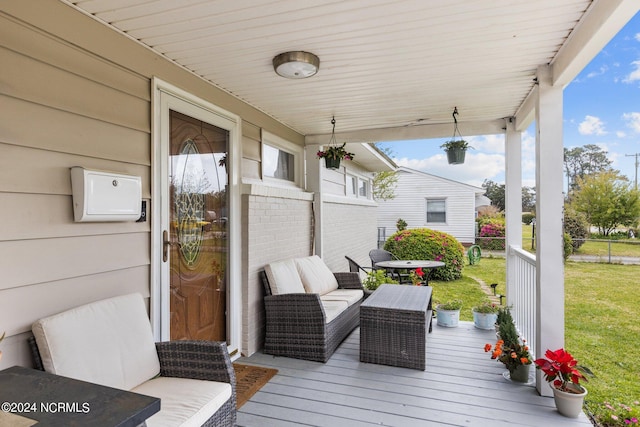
(276, 225)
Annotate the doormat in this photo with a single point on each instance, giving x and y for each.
(250, 379)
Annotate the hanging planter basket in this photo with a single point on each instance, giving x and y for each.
(333, 152)
(455, 156)
(456, 148)
(331, 163)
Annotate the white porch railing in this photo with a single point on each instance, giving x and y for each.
(521, 293)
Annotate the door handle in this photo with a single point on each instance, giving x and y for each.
(165, 245)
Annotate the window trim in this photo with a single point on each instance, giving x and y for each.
(267, 138)
(356, 190)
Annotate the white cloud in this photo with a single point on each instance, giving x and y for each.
(477, 167)
(603, 69)
(634, 75)
(633, 121)
(488, 143)
(637, 37)
(591, 125)
(621, 134)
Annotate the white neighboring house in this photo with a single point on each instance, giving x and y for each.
(429, 201)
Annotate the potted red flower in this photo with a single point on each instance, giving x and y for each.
(564, 374)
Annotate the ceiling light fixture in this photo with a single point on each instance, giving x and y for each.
(296, 64)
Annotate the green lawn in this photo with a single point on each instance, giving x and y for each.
(602, 326)
(625, 247)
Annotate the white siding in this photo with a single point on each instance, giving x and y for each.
(410, 205)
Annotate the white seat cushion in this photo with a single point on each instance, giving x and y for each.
(315, 275)
(350, 296)
(332, 309)
(184, 402)
(107, 342)
(284, 278)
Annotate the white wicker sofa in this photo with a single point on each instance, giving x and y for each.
(309, 309)
(109, 342)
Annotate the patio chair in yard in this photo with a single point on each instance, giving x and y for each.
(354, 267)
(379, 255)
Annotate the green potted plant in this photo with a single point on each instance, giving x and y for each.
(563, 374)
(333, 154)
(448, 313)
(376, 278)
(456, 150)
(503, 316)
(511, 350)
(485, 315)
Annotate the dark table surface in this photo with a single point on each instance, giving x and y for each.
(54, 400)
(412, 264)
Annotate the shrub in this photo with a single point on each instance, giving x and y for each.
(527, 218)
(568, 246)
(486, 237)
(575, 224)
(401, 224)
(490, 219)
(424, 243)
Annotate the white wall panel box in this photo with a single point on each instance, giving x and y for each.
(100, 196)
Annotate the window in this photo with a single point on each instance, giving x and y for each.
(277, 163)
(352, 186)
(363, 188)
(281, 161)
(436, 210)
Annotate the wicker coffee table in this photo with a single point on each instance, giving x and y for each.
(394, 322)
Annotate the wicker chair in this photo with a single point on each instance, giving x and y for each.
(295, 323)
(198, 360)
(379, 255)
(354, 267)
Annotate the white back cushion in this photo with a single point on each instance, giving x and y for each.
(315, 275)
(107, 342)
(283, 277)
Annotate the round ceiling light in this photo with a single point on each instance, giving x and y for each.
(296, 65)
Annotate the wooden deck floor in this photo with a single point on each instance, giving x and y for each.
(461, 386)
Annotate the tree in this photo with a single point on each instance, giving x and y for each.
(495, 193)
(607, 200)
(582, 161)
(384, 185)
(528, 199)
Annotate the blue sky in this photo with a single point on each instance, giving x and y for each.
(601, 106)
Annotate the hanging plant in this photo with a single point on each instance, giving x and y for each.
(334, 152)
(456, 148)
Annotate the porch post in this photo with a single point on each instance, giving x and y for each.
(549, 205)
(313, 182)
(513, 199)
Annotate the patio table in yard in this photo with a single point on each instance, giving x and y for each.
(394, 322)
(412, 264)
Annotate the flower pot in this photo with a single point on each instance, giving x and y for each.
(331, 163)
(569, 404)
(455, 156)
(484, 320)
(520, 374)
(448, 318)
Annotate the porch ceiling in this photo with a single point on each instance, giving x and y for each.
(389, 69)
